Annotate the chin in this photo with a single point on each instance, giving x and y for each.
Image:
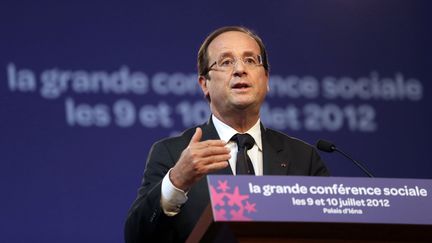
(243, 105)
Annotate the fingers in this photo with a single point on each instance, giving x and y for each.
(216, 159)
(197, 136)
(203, 169)
(210, 143)
(214, 150)
(199, 156)
(217, 166)
(199, 159)
(207, 147)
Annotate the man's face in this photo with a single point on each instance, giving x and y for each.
(242, 87)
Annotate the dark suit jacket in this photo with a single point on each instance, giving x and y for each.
(146, 221)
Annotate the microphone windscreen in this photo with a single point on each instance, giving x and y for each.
(325, 146)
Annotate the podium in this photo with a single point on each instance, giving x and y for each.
(315, 209)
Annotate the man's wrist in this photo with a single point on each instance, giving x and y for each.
(172, 198)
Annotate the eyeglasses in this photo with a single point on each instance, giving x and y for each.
(227, 63)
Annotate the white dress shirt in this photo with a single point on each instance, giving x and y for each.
(172, 197)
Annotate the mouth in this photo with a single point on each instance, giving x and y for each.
(240, 86)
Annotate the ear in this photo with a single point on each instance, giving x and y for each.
(203, 84)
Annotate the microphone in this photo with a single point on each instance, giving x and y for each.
(329, 147)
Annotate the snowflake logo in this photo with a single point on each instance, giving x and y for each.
(230, 205)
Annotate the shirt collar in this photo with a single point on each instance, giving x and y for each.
(226, 132)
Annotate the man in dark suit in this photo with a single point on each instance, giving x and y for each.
(233, 75)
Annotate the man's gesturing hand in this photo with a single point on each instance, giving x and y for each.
(199, 159)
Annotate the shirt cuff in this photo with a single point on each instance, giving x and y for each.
(172, 197)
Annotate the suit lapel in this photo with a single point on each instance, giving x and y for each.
(274, 163)
(209, 132)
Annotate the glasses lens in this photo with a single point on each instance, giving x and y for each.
(228, 63)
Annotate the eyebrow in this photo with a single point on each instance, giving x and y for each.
(230, 54)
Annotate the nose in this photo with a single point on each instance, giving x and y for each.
(239, 69)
